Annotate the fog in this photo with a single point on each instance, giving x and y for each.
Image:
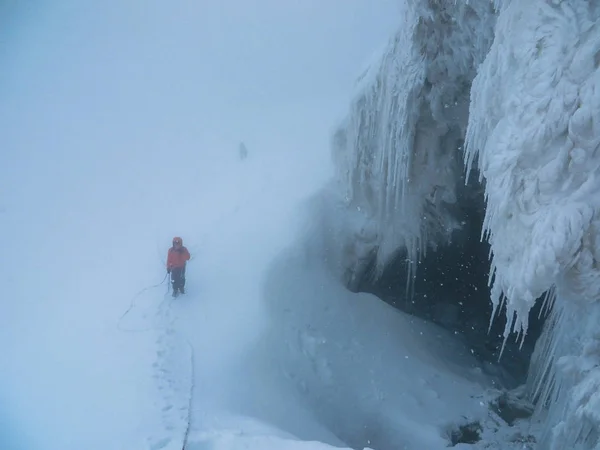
(119, 127)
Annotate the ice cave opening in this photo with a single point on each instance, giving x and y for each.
(450, 287)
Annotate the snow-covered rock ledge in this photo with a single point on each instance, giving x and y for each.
(519, 84)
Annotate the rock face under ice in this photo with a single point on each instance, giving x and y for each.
(399, 152)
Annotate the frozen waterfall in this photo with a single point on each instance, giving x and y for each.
(518, 85)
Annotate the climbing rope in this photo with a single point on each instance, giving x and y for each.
(191, 396)
(132, 304)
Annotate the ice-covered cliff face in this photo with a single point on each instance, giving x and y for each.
(397, 154)
(519, 84)
(534, 127)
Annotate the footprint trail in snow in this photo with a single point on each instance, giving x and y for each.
(173, 374)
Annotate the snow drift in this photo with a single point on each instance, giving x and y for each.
(518, 83)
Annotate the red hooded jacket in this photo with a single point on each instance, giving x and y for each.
(177, 257)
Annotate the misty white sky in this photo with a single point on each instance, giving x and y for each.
(90, 90)
(97, 91)
(186, 69)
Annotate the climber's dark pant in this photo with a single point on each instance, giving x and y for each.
(178, 278)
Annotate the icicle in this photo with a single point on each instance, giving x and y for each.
(547, 302)
(497, 304)
(410, 271)
(544, 304)
(510, 318)
(523, 333)
(491, 274)
(541, 381)
(393, 139)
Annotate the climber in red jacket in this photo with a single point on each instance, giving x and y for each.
(176, 261)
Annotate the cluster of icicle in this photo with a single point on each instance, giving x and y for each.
(519, 81)
(534, 128)
(398, 151)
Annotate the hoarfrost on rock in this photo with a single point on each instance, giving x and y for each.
(534, 129)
